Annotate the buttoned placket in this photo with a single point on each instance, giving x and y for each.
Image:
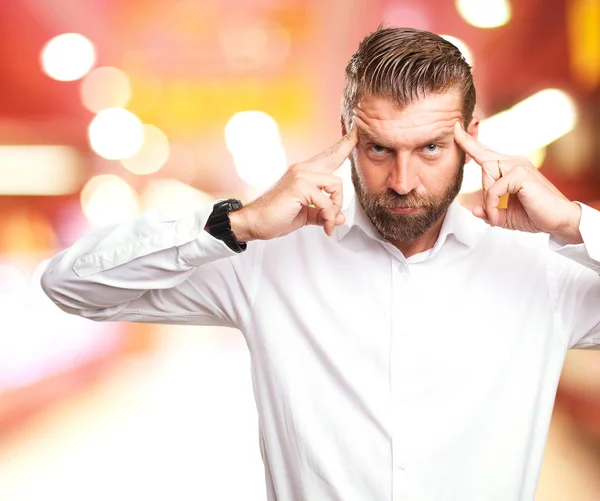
(400, 332)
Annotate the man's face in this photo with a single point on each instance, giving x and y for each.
(406, 168)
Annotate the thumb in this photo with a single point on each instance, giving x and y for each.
(479, 212)
(333, 157)
(313, 217)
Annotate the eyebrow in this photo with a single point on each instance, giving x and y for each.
(440, 137)
(369, 136)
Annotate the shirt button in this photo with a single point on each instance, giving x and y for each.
(401, 466)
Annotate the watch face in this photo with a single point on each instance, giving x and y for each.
(235, 204)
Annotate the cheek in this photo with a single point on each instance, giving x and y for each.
(457, 155)
(437, 176)
(373, 174)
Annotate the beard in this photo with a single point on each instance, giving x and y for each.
(405, 227)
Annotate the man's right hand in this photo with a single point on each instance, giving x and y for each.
(299, 198)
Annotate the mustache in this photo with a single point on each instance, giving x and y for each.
(393, 200)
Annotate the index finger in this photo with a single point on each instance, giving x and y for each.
(472, 146)
(333, 157)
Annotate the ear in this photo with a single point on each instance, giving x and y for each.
(473, 131)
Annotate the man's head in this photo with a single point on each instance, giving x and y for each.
(409, 87)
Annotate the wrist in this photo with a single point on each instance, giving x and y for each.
(569, 232)
(218, 224)
(240, 225)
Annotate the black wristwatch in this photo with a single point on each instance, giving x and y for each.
(219, 225)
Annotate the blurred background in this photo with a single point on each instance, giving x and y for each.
(108, 108)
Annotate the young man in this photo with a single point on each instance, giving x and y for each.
(410, 351)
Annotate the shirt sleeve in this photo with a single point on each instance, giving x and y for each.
(153, 269)
(575, 282)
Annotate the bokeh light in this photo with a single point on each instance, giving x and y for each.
(40, 169)
(537, 156)
(525, 129)
(104, 88)
(261, 170)
(553, 112)
(108, 199)
(68, 57)
(248, 129)
(485, 13)
(253, 139)
(530, 124)
(153, 153)
(173, 197)
(116, 133)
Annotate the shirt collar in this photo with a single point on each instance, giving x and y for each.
(459, 222)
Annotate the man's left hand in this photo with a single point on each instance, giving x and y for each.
(534, 203)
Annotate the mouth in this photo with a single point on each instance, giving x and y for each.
(404, 210)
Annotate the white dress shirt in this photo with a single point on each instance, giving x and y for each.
(376, 378)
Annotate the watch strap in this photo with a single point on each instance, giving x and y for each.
(219, 224)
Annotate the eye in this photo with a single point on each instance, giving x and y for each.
(432, 148)
(377, 149)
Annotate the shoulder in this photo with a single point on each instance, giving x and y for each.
(528, 251)
(499, 244)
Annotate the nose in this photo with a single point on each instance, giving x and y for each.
(403, 177)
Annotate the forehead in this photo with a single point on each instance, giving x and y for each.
(420, 121)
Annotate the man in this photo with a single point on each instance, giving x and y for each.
(410, 351)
